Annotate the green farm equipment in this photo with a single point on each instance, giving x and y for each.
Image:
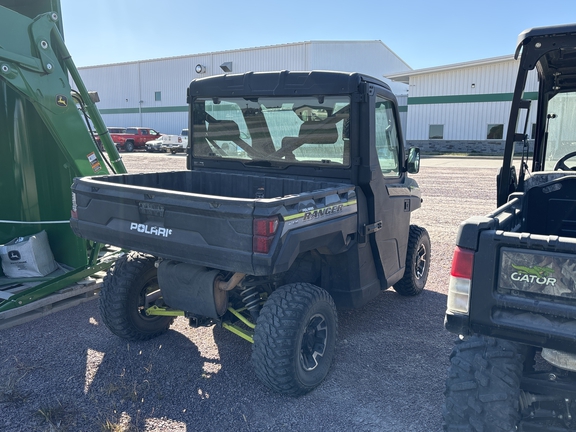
(46, 140)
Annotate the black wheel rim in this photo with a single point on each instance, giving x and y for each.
(421, 262)
(314, 343)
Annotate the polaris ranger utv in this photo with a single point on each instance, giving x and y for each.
(512, 292)
(296, 199)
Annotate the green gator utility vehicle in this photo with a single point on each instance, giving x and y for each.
(512, 293)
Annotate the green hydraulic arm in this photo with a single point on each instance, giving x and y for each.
(45, 142)
(41, 75)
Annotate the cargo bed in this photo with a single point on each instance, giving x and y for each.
(200, 217)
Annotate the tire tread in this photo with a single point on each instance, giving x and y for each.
(483, 385)
(276, 329)
(115, 295)
(408, 285)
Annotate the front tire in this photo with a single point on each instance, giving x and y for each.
(483, 385)
(129, 287)
(417, 263)
(295, 339)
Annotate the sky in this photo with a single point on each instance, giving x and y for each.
(422, 33)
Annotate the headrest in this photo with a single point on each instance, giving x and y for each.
(318, 132)
(223, 130)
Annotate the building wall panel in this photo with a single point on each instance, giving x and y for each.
(127, 91)
(463, 121)
(449, 98)
(472, 80)
(117, 85)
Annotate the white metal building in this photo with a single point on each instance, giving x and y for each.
(464, 106)
(152, 93)
(460, 107)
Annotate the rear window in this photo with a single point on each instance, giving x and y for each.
(285, 129)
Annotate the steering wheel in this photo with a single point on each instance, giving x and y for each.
(560, 165)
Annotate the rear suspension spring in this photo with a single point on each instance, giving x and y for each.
(251, 299)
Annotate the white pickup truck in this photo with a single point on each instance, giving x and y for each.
(162, 143)
(179, 145)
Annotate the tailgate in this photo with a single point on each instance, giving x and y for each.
(524, 288)
(201, 229)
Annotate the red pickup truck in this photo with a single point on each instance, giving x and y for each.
(133, 138)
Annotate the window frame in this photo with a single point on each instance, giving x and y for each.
(489, 128)
(429, 131)
(397, 171)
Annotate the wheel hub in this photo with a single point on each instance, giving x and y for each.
(313, 343)
(421, 262)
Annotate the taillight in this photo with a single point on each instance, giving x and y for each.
(264, 230)
(462, 263)
(460, 281)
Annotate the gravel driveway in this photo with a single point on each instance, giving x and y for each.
(66, 371)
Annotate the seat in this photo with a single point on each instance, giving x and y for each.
(310, 132)
(199, 144)
(550, 208)
(227, 130)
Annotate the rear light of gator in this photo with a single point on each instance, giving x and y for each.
(264, 230)
(460, 281)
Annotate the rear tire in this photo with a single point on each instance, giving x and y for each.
(295, 339)
(483, 385)
(417, 263)
(126, 293)
(129, 146)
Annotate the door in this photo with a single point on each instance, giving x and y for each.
(143, 136)
(390, 194)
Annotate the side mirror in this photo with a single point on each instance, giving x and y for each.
(413, 160)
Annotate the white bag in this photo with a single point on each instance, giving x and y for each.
(28, 256)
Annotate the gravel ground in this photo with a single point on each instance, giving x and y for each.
(66, 371)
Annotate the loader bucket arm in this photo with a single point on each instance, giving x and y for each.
(35, 62)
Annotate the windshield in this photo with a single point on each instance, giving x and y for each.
(311, 129)
(561, 129)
